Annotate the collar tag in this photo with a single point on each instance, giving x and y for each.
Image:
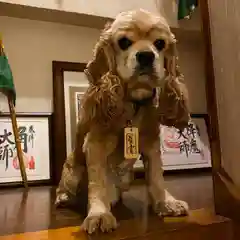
(131, 142)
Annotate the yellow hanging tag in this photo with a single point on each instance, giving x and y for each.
(131, 142)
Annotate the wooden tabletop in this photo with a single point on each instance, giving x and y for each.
(198, 223)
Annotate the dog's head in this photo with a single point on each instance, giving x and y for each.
(139, 48)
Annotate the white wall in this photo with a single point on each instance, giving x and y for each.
(192, 64)
(31, 47)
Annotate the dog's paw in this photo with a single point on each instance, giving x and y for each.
(62, 200)
(173, 207)
(103, 220)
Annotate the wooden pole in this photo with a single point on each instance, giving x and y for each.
(15, 130)
(18, 142)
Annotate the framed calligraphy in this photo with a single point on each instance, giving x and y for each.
(34, 132)
(185, 149)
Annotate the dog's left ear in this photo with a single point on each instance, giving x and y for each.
(171, 57)
(103, 57)
(173, 99)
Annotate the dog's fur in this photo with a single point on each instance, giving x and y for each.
(120, 91)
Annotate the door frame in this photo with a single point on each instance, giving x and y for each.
(226, 196)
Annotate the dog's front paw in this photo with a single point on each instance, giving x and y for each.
(103, 220)
(173, 207)
(62, 200)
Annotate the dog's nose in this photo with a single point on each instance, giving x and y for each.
(145, 58)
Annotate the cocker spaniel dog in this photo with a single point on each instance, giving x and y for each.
(134, 82)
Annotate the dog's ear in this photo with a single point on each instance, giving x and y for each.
(173, 99)
(171, 57)
(103, 57)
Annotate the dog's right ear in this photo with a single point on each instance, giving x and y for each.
(103, 57)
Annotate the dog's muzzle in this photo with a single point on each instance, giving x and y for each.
(145, 61)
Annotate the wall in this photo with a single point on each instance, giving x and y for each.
(33, 45)
(191, 60)
(225, 34)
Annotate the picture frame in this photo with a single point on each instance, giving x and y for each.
(63, 113)
(35, 137)
(185, 150)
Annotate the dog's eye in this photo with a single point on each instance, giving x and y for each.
(159, 44)
(124, 43)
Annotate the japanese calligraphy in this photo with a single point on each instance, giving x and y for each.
(31, 134)
(5, 137)
(8, 146)
(189, 143)
(131, 147)
(184, 147)
(6, 152)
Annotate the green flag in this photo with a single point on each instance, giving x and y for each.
(186, 7)
(6, 77)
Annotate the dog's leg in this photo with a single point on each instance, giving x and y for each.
(99, 214)
(74, 170)
(163, 202)
(71, 177)
(121, 170)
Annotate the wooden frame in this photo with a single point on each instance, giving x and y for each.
(34, 182)
(59, 124)
(210, 88)
(222, 192)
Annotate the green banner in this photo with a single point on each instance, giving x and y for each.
(6, 77)
(186, 7)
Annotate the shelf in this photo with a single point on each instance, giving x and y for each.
(63, 17)
(49, 15)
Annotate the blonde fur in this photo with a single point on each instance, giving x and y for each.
(107, 106)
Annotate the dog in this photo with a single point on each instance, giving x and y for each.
(134, 81)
